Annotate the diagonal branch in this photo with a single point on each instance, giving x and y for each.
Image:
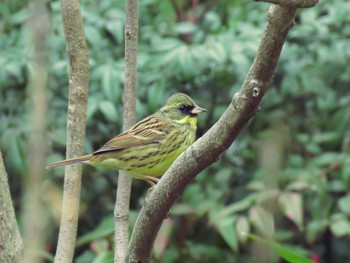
(292, 3)
(207, 149)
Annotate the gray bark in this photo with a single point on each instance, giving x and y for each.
(33, 212)
(121, 211)
(78, 91)
(11, 245)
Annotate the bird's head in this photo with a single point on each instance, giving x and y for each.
(181, 109)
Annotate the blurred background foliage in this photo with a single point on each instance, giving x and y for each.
(287, 176)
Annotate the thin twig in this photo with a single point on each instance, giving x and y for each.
(180, 14)
(78, 89)
(121, 211)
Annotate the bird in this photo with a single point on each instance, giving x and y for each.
(147, 149)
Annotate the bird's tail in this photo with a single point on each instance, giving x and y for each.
(70, 161)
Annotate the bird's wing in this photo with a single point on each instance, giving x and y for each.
(147, 131)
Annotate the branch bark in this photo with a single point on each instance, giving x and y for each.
(121, 211)
(34, 220)
(78, 89)
(292, 3)
(207, 149)
(11, 245)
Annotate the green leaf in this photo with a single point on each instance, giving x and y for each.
(340, 225)
(296, 160)
(227, 230)
(186, 62)
(156, 94)
(313, 148)
(217, 52)
(16, 154)
(185, 28)
(336, 186)
(92, 107)
(298, 186)
(199, 251)
(20, 17)
(104, 229)
(292, 207)
(315, 228)
(346, 172)
(328, 158)
(326, 137)
(290, 84)
(286, 253)
(115, 23)
(212, 20)
(85, 257)
(172, 57)
(93, 36)
(109, 110)
(111, 84)
(238, 206)
(263, 220)
(344, 204)
(167, 44)
(104, 257)
(242, 227)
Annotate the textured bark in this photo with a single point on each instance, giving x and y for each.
(208, 149)
(33, 218)
(11, 246)
(78, 89)
(292, 3)
(121, 211)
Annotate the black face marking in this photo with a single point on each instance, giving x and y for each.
(186, 110)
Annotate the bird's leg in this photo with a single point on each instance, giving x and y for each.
(150, 179)
(150, 182)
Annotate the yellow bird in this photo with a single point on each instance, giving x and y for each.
(148, 149)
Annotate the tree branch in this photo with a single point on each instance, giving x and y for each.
(11, 246)
(121, 211)
(78, 89)
(33, 215)
(178, 11)
(207, 149)
(292, 3)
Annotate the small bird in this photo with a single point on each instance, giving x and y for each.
(147, 150)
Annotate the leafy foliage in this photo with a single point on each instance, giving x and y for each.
(286, 177)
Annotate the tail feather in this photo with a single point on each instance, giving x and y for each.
(69, 161)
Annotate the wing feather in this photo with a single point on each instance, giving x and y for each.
(147, 131)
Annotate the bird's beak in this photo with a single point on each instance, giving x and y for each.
(197, 110)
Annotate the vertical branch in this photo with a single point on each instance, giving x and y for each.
(34, 220)
(121, 211)
(10, 239)
(78, 89)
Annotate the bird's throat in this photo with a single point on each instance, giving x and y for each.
(189, 120)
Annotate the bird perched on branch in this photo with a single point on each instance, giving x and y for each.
(148, 149)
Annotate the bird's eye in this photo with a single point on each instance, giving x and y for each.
(182, 108)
